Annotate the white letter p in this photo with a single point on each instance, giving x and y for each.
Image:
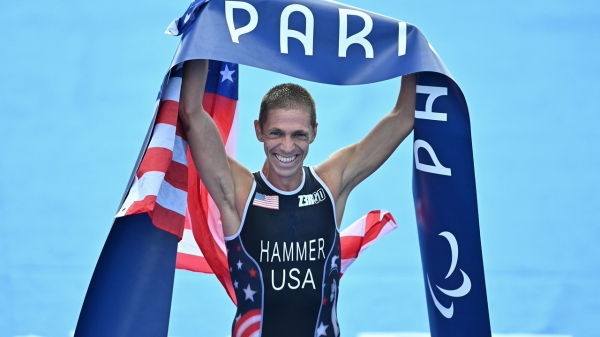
(235, 33)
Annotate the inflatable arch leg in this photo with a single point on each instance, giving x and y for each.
(131, 288)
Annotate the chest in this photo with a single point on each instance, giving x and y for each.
(291, 230)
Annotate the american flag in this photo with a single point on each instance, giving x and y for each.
(266, 201)
(166, 184)
(357, 237)
(202, 247)
(160, 184)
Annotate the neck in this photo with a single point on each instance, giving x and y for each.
(280, 182)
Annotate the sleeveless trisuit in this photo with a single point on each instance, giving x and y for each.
(285, 261)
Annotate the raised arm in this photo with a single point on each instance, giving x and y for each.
(208, 152)
(346, 168)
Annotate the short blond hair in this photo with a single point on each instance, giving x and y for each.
(287, 96)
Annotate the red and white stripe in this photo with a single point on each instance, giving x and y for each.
(160, 183)
(362, 233)
(248, 325)
(189, 255)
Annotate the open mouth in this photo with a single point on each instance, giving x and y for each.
(285, 159)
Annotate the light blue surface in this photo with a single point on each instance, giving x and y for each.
(78, 86)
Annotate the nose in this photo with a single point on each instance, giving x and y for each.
(287, 144)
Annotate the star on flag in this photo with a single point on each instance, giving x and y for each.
(227, 74)
(322, 330)
(249, 293)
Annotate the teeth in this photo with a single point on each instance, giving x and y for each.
(285, 159)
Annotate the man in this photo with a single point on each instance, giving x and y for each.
(281, 224)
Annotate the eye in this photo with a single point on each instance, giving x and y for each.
(274, 134)
(301, 135)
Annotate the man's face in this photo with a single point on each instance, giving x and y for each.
(286, 136)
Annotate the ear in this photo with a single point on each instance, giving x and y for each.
(258, 131)
(314, 131)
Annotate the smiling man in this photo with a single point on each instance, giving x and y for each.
(281, 224)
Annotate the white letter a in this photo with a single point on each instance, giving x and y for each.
(285, 33)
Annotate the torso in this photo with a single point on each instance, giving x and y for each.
(285, 261)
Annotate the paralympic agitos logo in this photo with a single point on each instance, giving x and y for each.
(460, 291)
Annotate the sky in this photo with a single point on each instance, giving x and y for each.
(79, 80)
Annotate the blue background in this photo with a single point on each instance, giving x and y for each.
(78, 85)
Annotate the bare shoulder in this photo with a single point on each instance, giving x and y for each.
(332, 170)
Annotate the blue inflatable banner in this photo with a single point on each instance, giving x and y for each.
(329, 42)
